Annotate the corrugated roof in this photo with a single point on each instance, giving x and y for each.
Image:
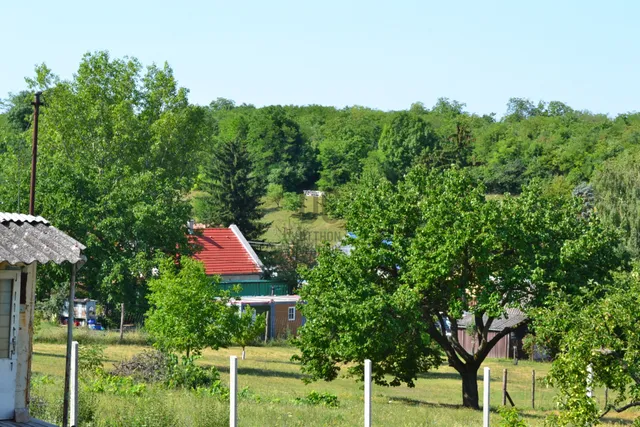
(223, 253)
(16, 217)
(512, 318)
(25, 239)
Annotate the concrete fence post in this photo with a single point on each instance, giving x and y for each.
(486, 402)
(233, 391)
(590, 380)
(73, 386)
(367, 393)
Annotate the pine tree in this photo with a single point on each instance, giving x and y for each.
(233, 191)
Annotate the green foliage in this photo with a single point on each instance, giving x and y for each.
(597, 328)
(293, 202)
(314, 398)
(281, 153)
(185, 373)
(248, 327)
(51, 307)
(428, 250)
(295, 251)
(233, 190)
(117, 385)
(510, 417)
(188, 311)
(91, 358)
(275, 193)
(407, 140)
(617, 186)
(112, 171)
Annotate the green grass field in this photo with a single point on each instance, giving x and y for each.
(274, 382)
(312, 218)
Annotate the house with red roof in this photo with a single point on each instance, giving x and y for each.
(226, 253)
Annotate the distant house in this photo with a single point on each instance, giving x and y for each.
(283, 316)
(504, 348)
(225, 252)
(25, 241)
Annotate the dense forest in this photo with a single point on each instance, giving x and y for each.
(123, 151)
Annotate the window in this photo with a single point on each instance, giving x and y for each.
(292, 313)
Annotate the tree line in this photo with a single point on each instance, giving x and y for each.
(126, 159)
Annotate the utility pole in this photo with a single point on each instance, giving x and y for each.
(34, 153)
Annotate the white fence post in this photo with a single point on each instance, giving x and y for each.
(73, 389)
(485, 401)
(367, 393)
(233, 391)
(590, 380)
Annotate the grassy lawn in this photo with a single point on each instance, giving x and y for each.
(312, 218)
(273, 383)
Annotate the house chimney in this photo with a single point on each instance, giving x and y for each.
(190, 225)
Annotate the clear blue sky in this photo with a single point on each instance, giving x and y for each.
(384, 55)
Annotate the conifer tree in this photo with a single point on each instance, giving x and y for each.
(233, 191)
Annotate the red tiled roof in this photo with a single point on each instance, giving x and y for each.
(223, 253)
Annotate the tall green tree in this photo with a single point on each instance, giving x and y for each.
(281, 152)
(430, 249)
(233, 190)
(248, 328)
(188, 312)
(406, 141)
(114, 169)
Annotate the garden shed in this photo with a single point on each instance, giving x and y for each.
(25, 241)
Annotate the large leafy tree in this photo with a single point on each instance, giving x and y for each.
(188, 312)
(116, 144)
(233, 190)
(405, 142)
(426, 251)
(280, 150)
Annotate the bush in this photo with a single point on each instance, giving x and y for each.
(185, 373)
(511, 417)
(113, 384)
(315, 398)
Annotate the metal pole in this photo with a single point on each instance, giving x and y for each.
(485, 402)
(266, 328)
(67, 372)
(34, 153)
(74, 385)
(233, 391)
(367, 393)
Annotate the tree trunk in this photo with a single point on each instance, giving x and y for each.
(470, 387)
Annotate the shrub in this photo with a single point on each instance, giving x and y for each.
(121, 386)
(185, 373)
(91, 358)
(511, 417)
(315, 398)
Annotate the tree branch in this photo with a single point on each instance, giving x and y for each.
(621, 409)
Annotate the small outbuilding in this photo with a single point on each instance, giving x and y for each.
(283, 319)
(25, 241)
(507, 345)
